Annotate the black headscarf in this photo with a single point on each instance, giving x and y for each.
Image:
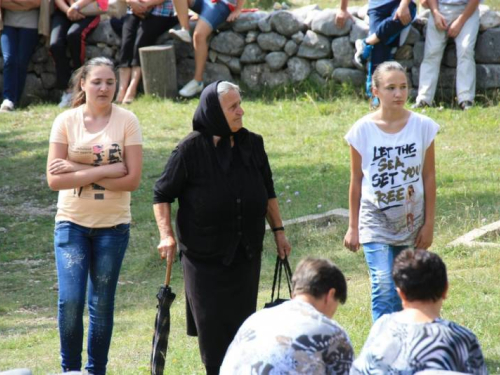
(209, 119)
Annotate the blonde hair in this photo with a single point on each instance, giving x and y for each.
(388, 66)
(81, 74)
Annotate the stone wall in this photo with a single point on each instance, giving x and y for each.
(289, 46)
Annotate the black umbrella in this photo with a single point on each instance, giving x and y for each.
(162, 325)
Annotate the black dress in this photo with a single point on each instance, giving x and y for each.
(220, 230)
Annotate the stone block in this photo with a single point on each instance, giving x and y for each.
(314, 46)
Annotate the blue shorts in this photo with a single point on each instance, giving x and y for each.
(214, 14)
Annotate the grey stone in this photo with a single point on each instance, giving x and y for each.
(213, 72)
(325, 67)
(276, 60)
(234, 65)
(33, 90)
(487, 76)
(248, 21)
(317, 79)
(251, 36)
(286, 23)
(447, 77)
(228, 43)
(224, 58)
(359, 30)
(271, 41)
(343, 51)
(298, 37)
(488, 46)
(41, 55)
(182, 50)
(163, 39)
(407, 64)
(310, 17)
(265, 24)
(250, 75)
(291, 48)
(450, 56)
(37, 68)
(404, 53)
(418, 53)
(274, 79)
(413, 36)
(49, 66)
(95, 51)
(253, 54)
(1, 64)
(363, 12)
(212, 56)
(353, 76)
(314, 46)
(298, 69)
(353, 11)
(303, 13)
(48, 80)
(324, 23)
(103, 33)
(488, 18)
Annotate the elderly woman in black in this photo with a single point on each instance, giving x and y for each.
(221, 177)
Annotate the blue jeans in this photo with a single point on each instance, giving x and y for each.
(214, 14)
(95, 255)
(18, 45)
(380, 258)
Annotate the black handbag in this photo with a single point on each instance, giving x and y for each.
(280, 265)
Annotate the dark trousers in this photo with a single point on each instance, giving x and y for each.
(66, 33)
(141, 32)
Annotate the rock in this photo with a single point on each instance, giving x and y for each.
(407, 64)
(317, 79)
(251, 37)
(103, 33)
(285, 23)
(363, 12)
(291, 48)
(359, 30)
(404, 53)
(418, 53)
(37, 68)
(273, 79)
(314, 46)
(224, 58)
(447, 77)
(212, 56)
(343, 51)
(488, 46)
(324, 23)
(213, 72)
(298, 69)
(271, 41)
(489, 19)
(1, 64)
(298, 37)
(248, 21)
(94, 51)
(487, 76)
(250, 75)
(310, 17)
(353, 76)
(450, 56)
(353, 11)
(182, 50)
(265, 24)
(252, 54)
(163, 39)
(276, 60)
(233, 63)
(48, 80)
(423, 15)
(40, 56)
(303, 13)
(33, 90)
(325, 67)
(413, 36)
(228, 43)
(49, 66)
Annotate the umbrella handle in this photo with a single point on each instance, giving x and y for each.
(169, 271)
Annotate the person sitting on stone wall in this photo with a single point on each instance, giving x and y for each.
(388, 18)
(298, 336)
(457, 19)
(21, 23)
(212, 14)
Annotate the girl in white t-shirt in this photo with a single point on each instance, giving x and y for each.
(391, 150)
(95, 161)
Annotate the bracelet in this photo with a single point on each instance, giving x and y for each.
(76, 6)
(278, 229)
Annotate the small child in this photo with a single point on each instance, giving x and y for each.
(391, 150)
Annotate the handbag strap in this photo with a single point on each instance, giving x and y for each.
(275, 277)
(280, 264)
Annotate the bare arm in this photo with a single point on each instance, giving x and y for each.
(351, 239)
(133, 162)
(426, 233)
(456, 26)
(342, 14)
(80, 177)
(20, 4)
(403, 12)
(168, 246)
(439, 20)
(236, 12)
(274, 219)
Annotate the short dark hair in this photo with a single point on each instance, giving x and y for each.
(316, 276)
(420, 275)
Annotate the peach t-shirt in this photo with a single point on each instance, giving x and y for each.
(93, 206)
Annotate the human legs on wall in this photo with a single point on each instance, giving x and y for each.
(380, 259)
(126, 54)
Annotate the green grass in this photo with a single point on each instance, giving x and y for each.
(303, 133)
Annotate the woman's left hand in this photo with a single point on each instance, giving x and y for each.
(424, 237)
(233, 15)
(282, 245)
(60, 166)
(73, 14)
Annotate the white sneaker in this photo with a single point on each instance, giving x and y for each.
(7, 106)
(181, 34)
(66, 99)
(192, 88)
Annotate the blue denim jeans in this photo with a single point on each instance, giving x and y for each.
(380, 259)
(18, 45)
(95, 255)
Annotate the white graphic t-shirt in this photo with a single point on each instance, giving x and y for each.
(392, 195)
(93, 206)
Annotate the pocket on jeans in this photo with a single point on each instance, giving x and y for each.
(121, 228)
